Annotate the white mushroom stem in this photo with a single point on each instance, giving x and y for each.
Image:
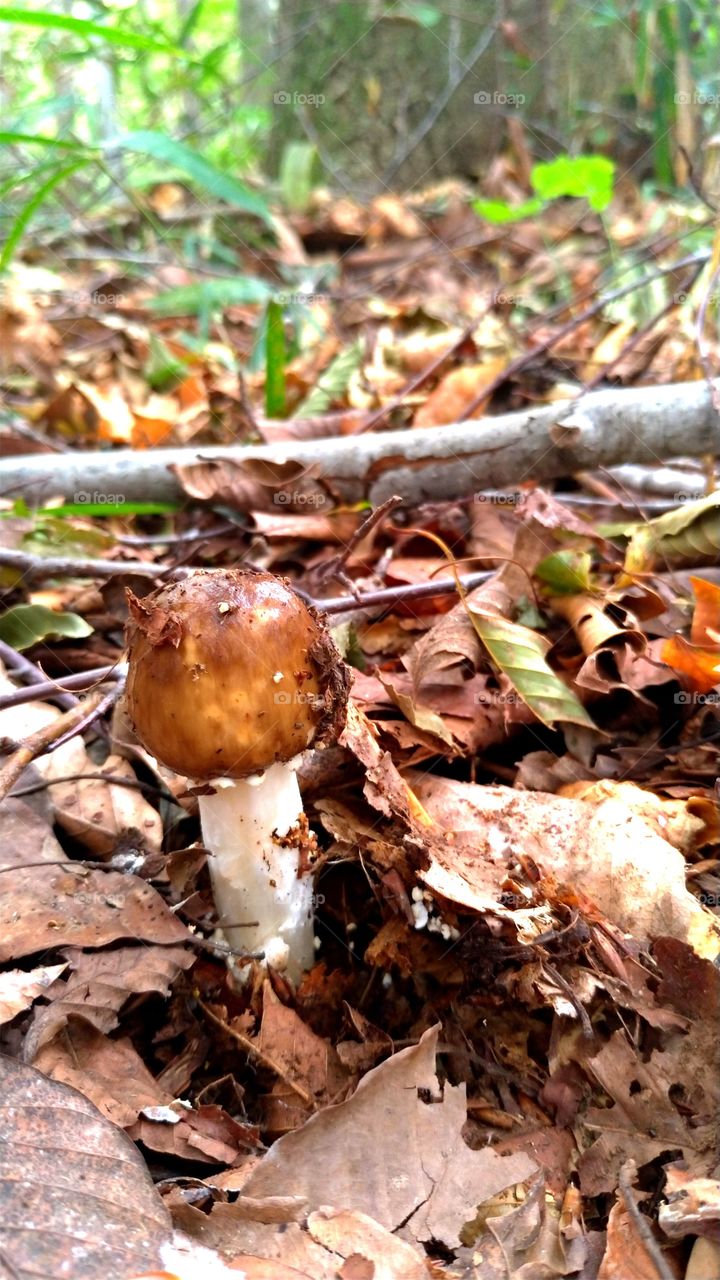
(254, 878)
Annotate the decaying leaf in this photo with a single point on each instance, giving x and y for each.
(606, 852)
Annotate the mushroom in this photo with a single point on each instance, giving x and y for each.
(231, 676)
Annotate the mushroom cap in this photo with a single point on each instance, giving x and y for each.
(230, 671)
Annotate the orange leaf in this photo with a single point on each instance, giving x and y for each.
(698, 659)
(449, 401)
(699, 666)
(706, 618)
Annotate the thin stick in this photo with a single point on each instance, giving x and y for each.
(56, 690)
(67, 567)
(335, 564)
(104, 703)
(641, 1224)
(385, 597)
(22, 668)
(40, 741)
(263, 1058)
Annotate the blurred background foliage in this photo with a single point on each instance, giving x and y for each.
(245, 101)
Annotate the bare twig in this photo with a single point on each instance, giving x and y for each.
(255, 1052)
(44, 738)
(33, 567)
(21, 668)
(641, 1224)
(104, 704)
(56, 690)
(638, 424)
(385, 597)
(335, 564)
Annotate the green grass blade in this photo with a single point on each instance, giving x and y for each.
(275, 360)
(82, 27)
(18, 139)
(33, 204)
(217, 184)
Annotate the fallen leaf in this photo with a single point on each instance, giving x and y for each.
(19, 989)
(631, 874)
(77, 1199)
(431, 1181)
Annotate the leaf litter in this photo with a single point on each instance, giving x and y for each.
(505, 1060)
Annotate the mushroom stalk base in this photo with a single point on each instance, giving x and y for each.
(262, 903)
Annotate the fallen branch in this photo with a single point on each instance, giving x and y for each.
(643, 424)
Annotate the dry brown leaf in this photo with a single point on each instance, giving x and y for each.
(431, 1181)
(666, 1100)
(101, 815)
(100, 983)
(451, 397)
(626, 1253)
(77, 1198)
(303, 1057)
(206, 1134)
(692, 1205)
(357, 1236)
(68, 905)
(533, 1239)
(674, 820)
(110, 1073)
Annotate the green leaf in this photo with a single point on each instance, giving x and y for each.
(176, 154)
(565, 573)
(27, 624)
(498, 211)
(298, 165)
(18, 228)
(162, 369)
(192, 299)
(82, 27)
(16, 139)
(53, 531)
(590, 177)
(348, 646)
(275, 360)
(520, 654)
(110, 509)
(332, 384)
(688, 535)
